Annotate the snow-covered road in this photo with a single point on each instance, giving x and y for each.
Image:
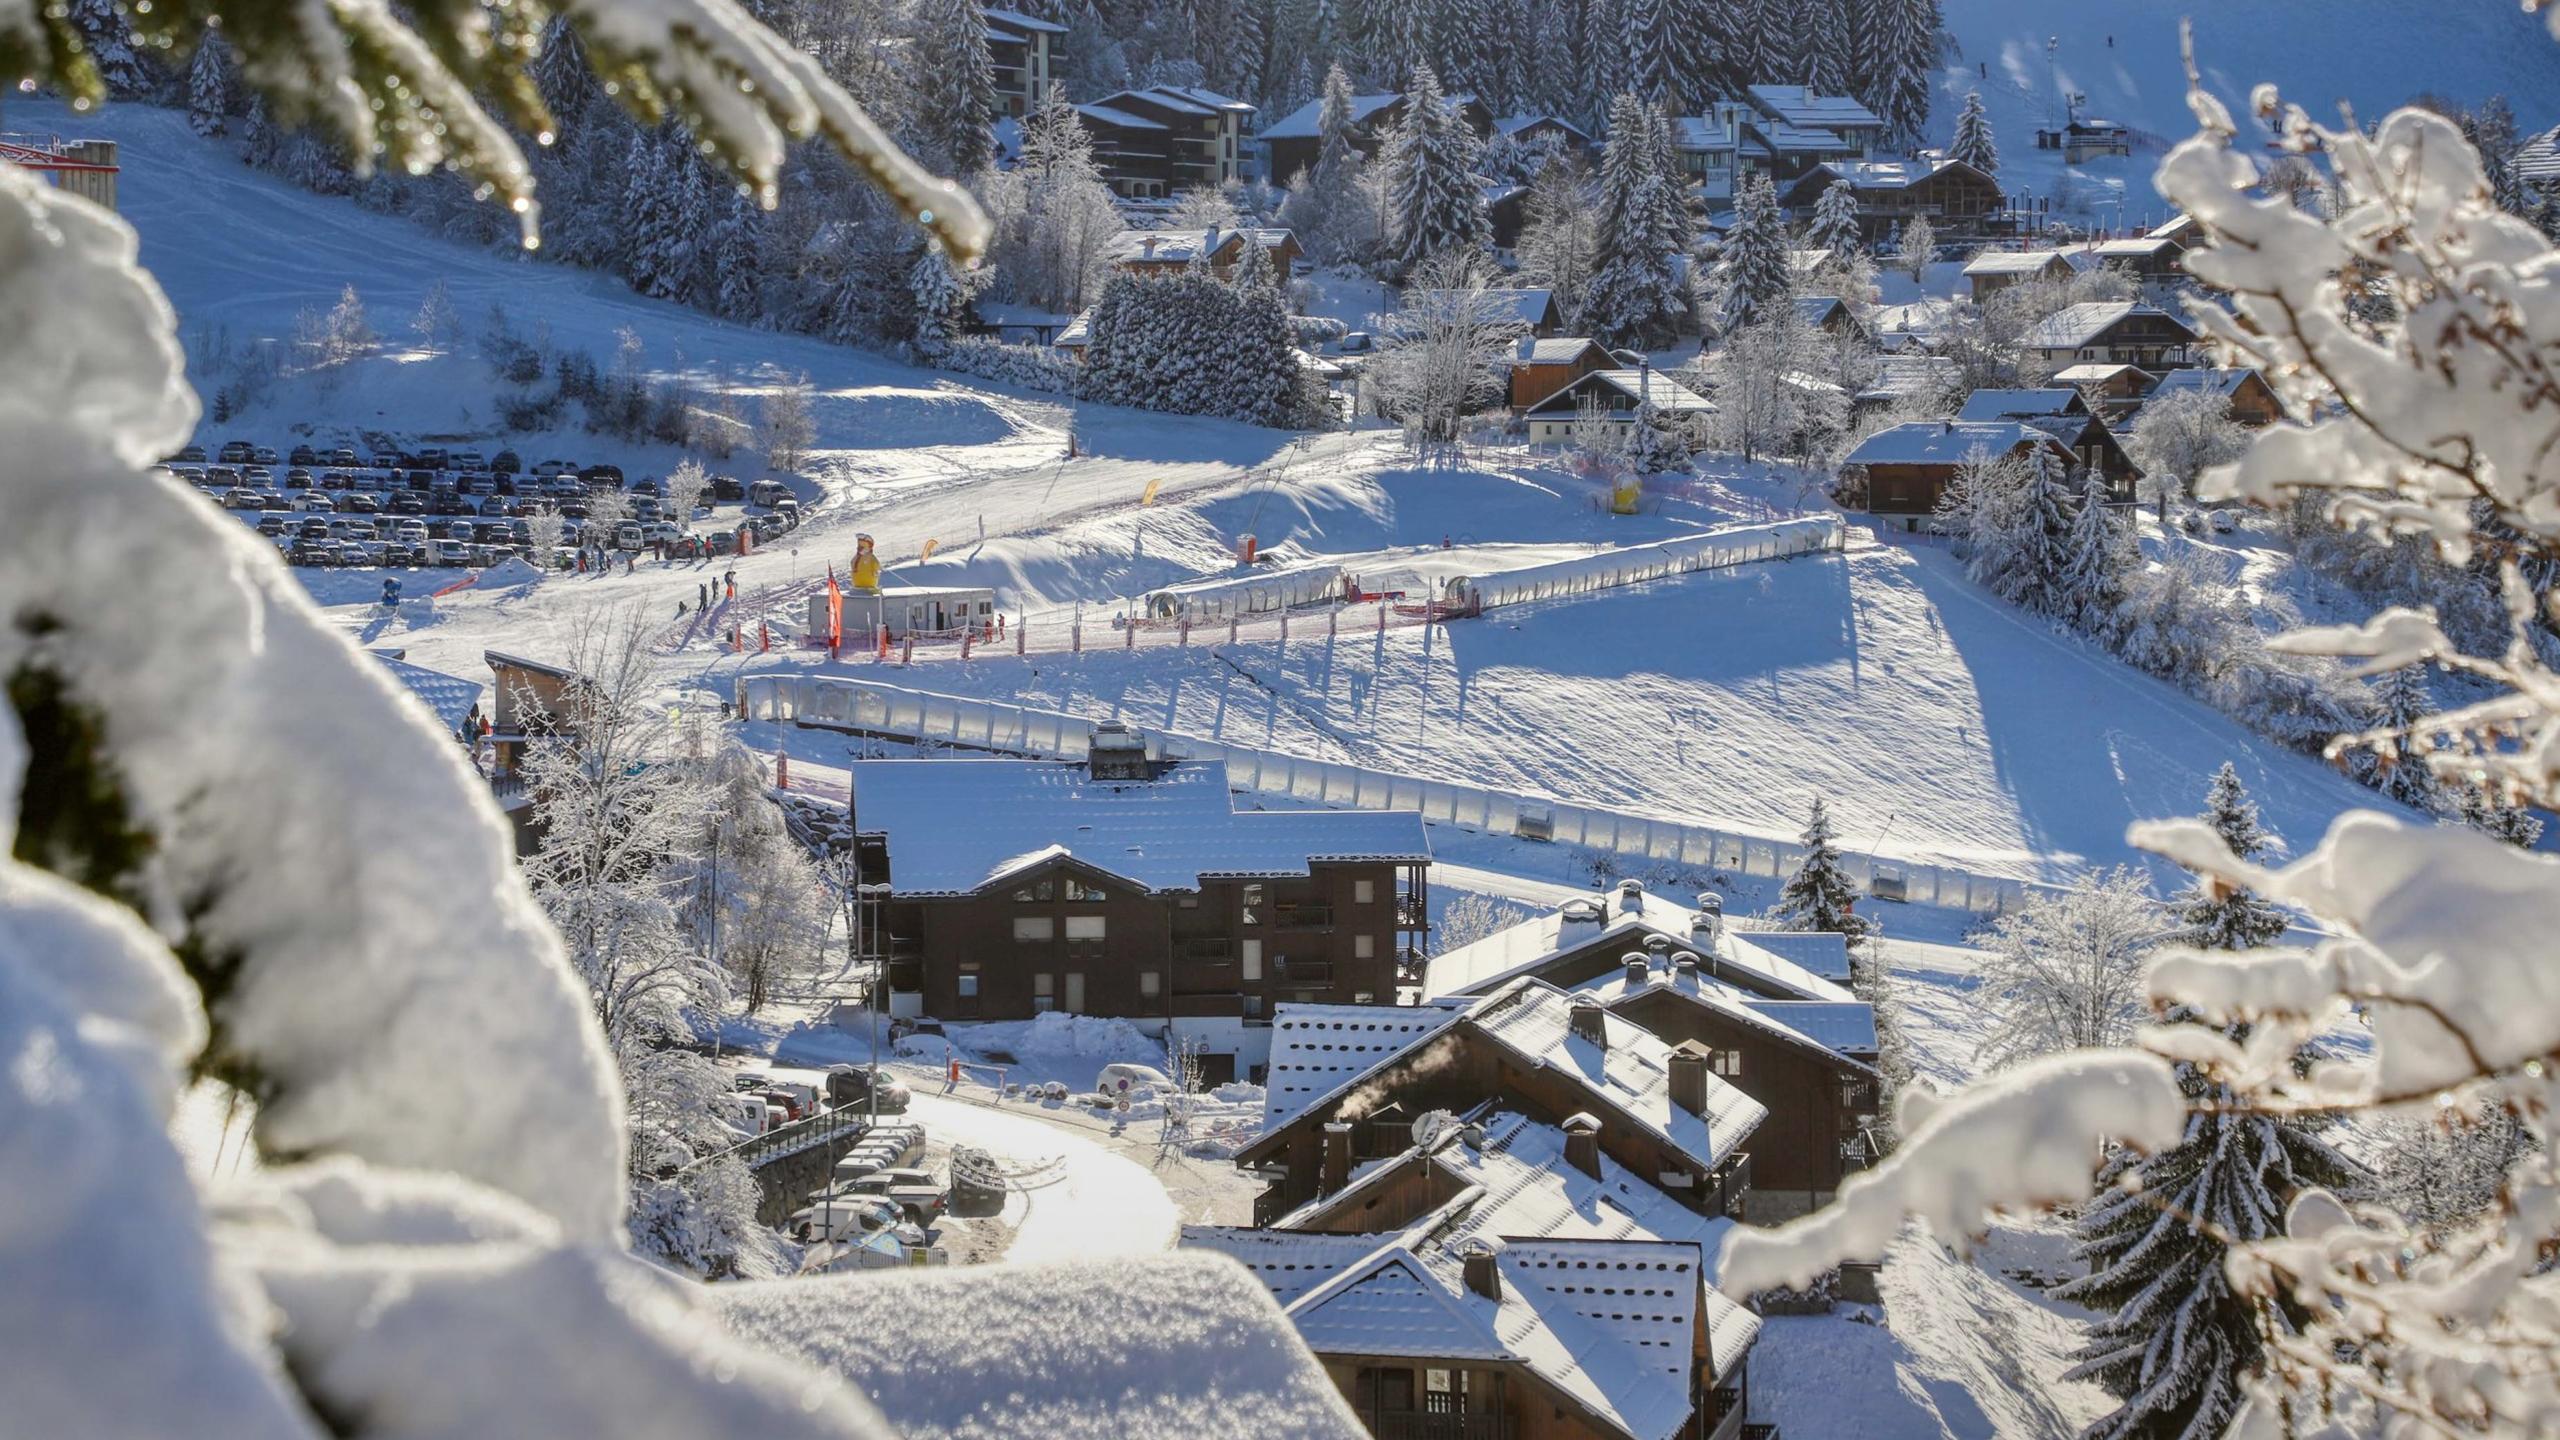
(1102, 1203)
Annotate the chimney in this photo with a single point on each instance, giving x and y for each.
(1688, 1069)
(1480, 1264)
(1657, 949)
(1684, 970)
(1582, 1143)
(1147, 246)
(1335, 1172)
(1639, 974)
(1630, 897)
(1586, 1018)
(1708, 928)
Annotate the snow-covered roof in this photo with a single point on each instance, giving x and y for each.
(449, 696)
(1943, 442)
(1851, 1023)
(1176, 247)
(1306, 122)
(953, 827)
(1816, 952)
(1077, 334)
(2133, 249)
(1528, 307)
(1113, 115)
(1668, 396)
(1017, 21)
(1701, 132)
(1193, 95)
(2182, 227)
(1803, 139)
(2537, 160)
(1317, 1049)
(1849, 1029)
(1391, 1303)
(2073, 326)
(1631, 1073)
(2015, 262)
(1126, 1349)
(2095, 372)
(2019, 404)
(1818, 309)
(2225, 382)
(1515, 124)
(1904, 377)
(1289, 1263)
(1760, 959)
(1553, 350)
(1798, 105)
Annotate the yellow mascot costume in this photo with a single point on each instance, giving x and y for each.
(866, 566)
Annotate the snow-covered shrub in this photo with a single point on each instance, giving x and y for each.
(1472, 917)
(1030, 366)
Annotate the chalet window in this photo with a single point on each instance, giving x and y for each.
(1727, 1063)
(1078, 890)
(1364, 892)
(1364, 947)
(1084, 927)
(1044, 991)
(968, 985)
(1034, 927)
(1150, 983)
(1252, 904)
(1365, 997)
(1044, 890)
(1187, 902)
(1249, 958)
(1252, 1007)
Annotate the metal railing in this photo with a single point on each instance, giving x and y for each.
(1430, 1425)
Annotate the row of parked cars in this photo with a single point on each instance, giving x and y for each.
(452, 508)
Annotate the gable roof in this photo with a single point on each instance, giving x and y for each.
(1532, 308)
(1515, 124)
(1946, 442)
(1799, 105)
(2135, 248)
(2073, 326)
(1701, 132)
(2096, 372)
(2019, 404)
(1115, 116)
(1761, 961)
(1176, 247)
(450, 697)
(2224, 381)
(1553, 350)
(2537, 160)
(1885, 174)
(1630, 1075)
(1391, 1303)
(1123, 1349)
(1667, 395)
(1851, 1023)
(1910, 377)
(1015, 20)
(1318, 1049)
(1306, 122)
(2015, 262)
(1818, 309)
(1161, 834)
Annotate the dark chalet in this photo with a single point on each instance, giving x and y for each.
(1131, 888)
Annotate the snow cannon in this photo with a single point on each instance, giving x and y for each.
(866, 566)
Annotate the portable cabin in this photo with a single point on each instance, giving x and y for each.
(920, 611)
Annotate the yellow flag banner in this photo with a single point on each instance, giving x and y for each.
(929, 547)
(1152, 487)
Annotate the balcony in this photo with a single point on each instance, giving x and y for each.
(1302, 917)
(1721, 1416)
(1209, 952)
(1412, 913)
(1227, 1005)
(1425, 1425)
(1305, 972)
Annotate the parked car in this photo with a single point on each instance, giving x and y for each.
(409, 532)
(449, 552)
(189, 455)
(627, 536)
(506, 462)
(297, 479)
(314, 502)
(406, 503)
(237, 452)
(549, 468)
(602, 475)
(261, 455)
(765, 492)
(241, 498)
(433, 457)
(1134, 1081)
(272, 524)
(920, 1197)
(849, 1088)
(303, 455)
(727, 487)
(360, 503)
(312, 552)
(343, 455)
(840, 1218)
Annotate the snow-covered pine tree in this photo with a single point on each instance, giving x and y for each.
(108, 37)
(2513, 824)
(2044, 537)
(1655, 51)
(1438, 206)
(561, 74)
(1823, 50)
(733, 262)
(661, 205)
(1915, 248)
(1835, 222)
(2224, 917)
(2172, 1341)
(438, 325)
(939, 300)
(1818, 895)
(1653, 448)
(1753, 275)
(1973, 144)
(1899, 46)
(2098, 556)
(1635, 297)
(955, 102)
(1559, 239)
(209, 86)
(2401, 700)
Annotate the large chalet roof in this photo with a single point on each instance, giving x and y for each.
(2223, 381)
(1799, 105)
(2015, 262)
(1306, 122)
(1318, 1049)
(1176, 247)
(1667, 395)
(1912, 377)
(1019, 23)
(1884, 174)
(2537, 160)
(939, 820)
(1944, 442)
(1195, 98)
(1846, 1028)
(2073, 326)
(1515, 124)
(1533, 1020)
(2096, 372)
(1763, 959)
(1702, 132)
(1531, 308)
(2020, 404)
(450, 697)
(1118, 118)
(2134, 249)
(1099, 1350)
(1552, 350)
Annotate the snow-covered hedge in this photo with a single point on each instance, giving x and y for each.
(1030, 366)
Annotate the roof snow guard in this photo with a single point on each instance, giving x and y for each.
(958, 827)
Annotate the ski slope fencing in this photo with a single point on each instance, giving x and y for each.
(1228, 597)
(869, 707)
(1635, 564)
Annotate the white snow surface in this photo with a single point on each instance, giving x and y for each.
(1191, 1347)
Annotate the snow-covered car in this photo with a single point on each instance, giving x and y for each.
(2224, 522)
(261, 455)
(849, 1088)
(916, 1193)
(1134, 1081)
(314, 502)
(844, 1217)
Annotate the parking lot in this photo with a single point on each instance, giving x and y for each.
(334, 506)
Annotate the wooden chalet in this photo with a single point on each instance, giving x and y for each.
(2063, 413)
(1450, 1291)
(1958, 200)
(1615, 395)
(1909, 384)
(2252, 400)
(1993, 271)
(2119, 332)
(1524, 1046)
(1540, 368)
(2151, 259)
(1552, 130)
(2083, 138)
(1905, 470)
(2113, 391)
(1291, 143)
(1831, 315)
(1764, 1011)
(1163, 252)
(1131, 887)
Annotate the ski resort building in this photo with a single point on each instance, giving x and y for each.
(1772, 1014)
(1164, 252)
(1164, 138)
(1132, 888)
(2119, 332)
(1291, 143)
(1255, 592)
(1026, 52)
(1958, 200)
(2062, 412)
(1905, 470)
(909, 612)
(2113, 391)
(1507, 1278)
(86, 168)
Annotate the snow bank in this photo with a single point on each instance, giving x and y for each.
(330, 851)
(1175, 1347)
(2045, 1121)
(507, 574)
(1057, 1036)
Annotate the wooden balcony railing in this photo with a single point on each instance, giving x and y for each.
(1303, 917)
(1424, 1425)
